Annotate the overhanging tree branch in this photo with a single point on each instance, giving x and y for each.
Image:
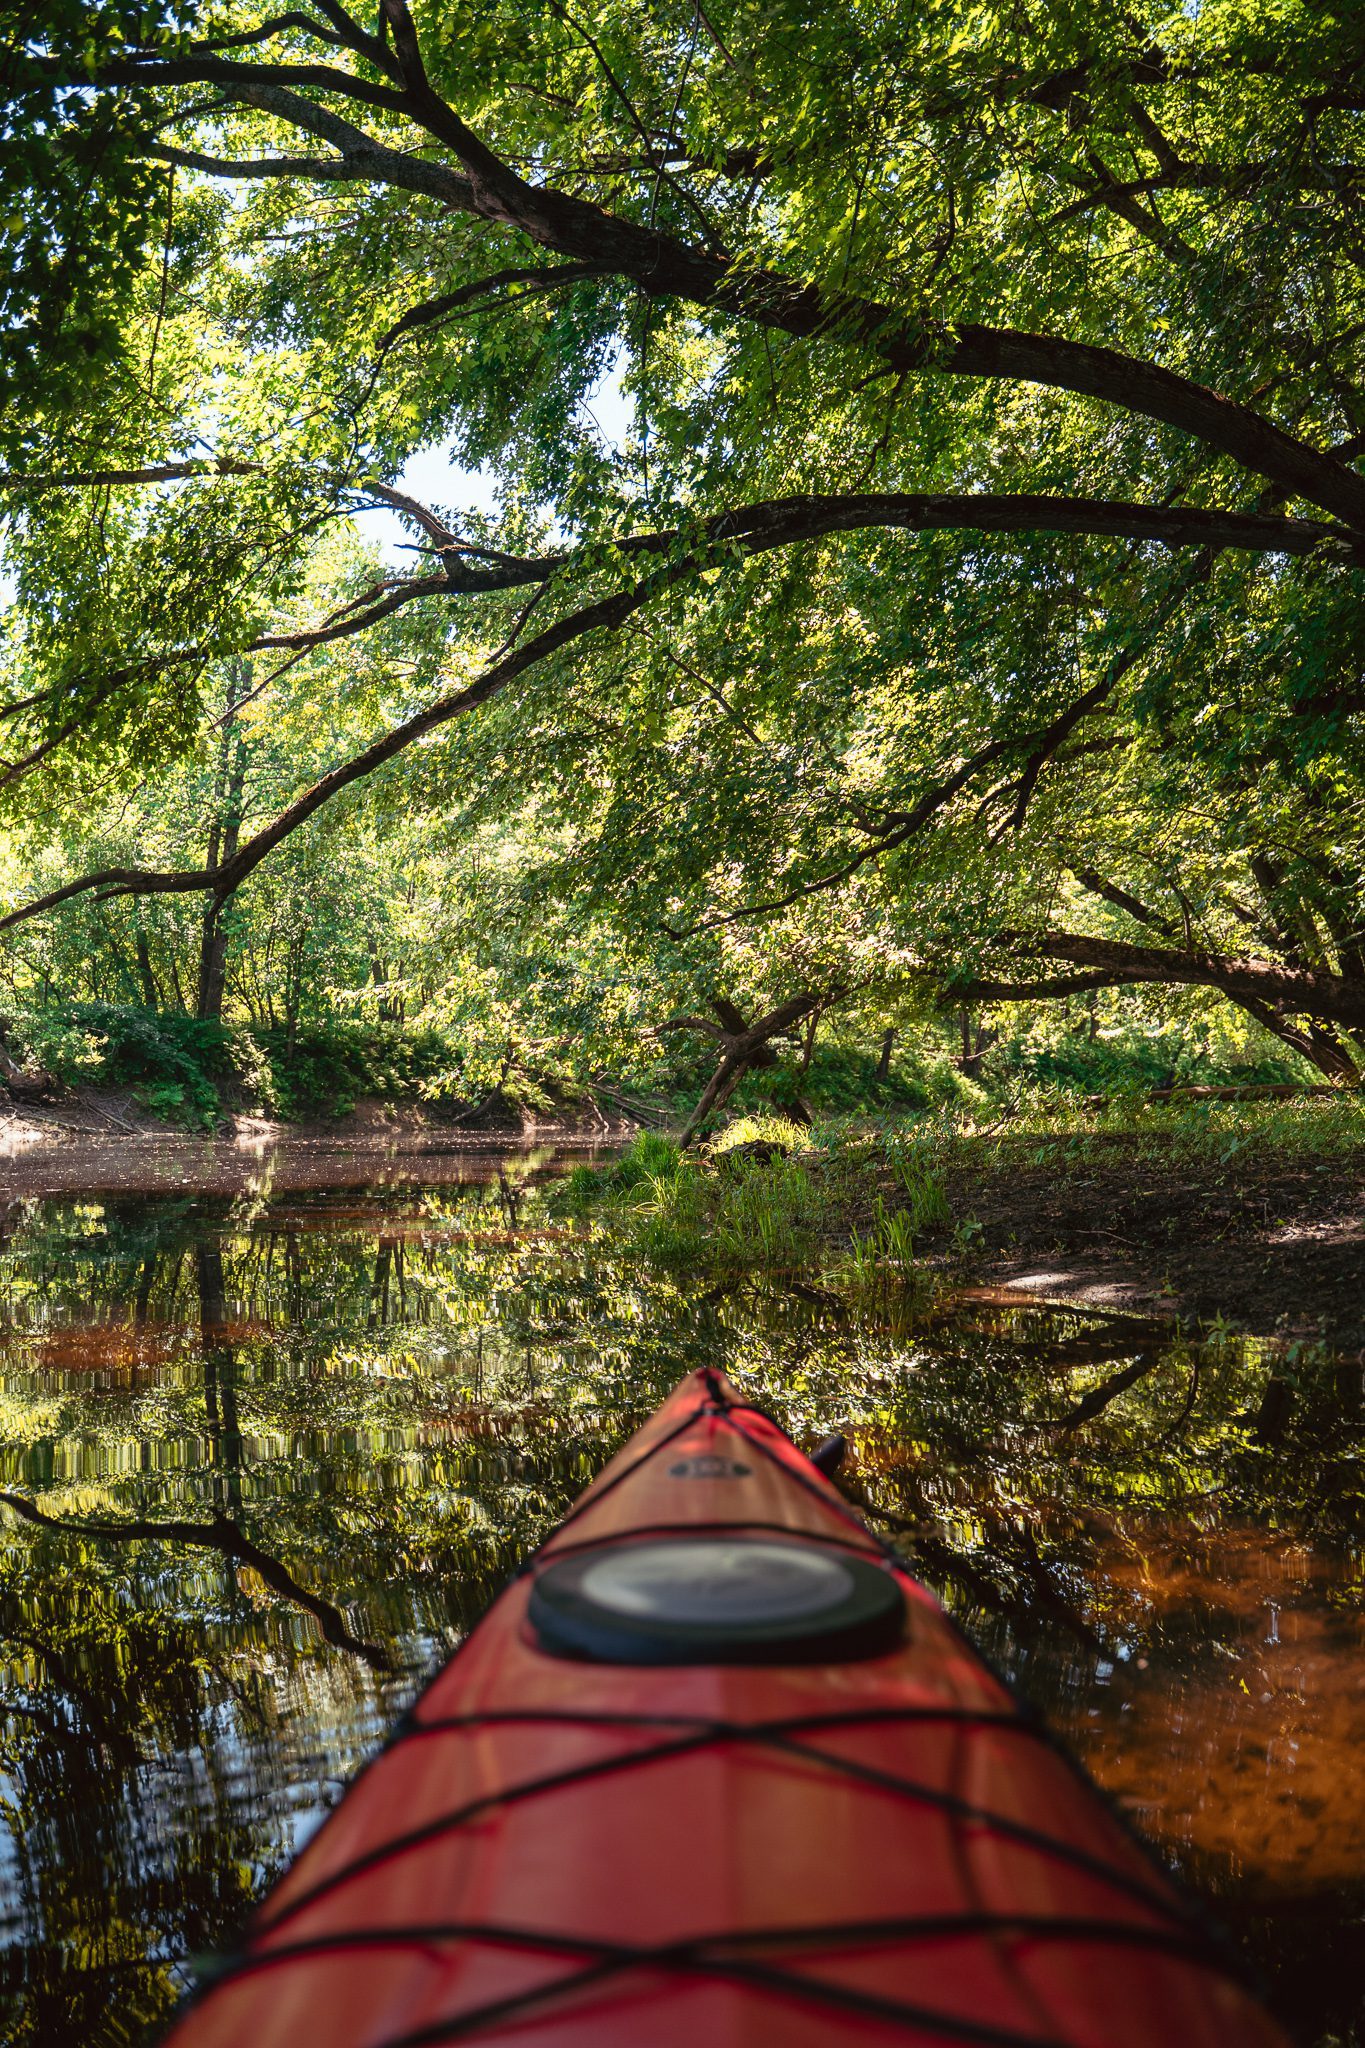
(340, 170)
(753, 530)
(665, 267)
(1122, 899)
(985, 989)
(471, 570)
(603, 615)
(781, 522)
(1305, 991)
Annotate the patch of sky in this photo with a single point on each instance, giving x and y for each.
(434, 476)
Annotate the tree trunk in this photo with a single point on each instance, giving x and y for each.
(293, 981)
(224, 830)
(976, 1040)
(743, 1047)
(716, 1094)
(213, 946)
(180, 1002)
(1320, 1047)
(812, 1026)
(151, 994)
(883, 1072)
(390, 1007)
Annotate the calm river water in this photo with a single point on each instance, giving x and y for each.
(269, 1441)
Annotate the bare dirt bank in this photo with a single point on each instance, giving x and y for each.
(1274, 1249)
(103, 1142)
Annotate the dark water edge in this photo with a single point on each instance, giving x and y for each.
(271, 1444)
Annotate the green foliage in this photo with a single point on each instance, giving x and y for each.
(841, 1079)
(649, 1159)
(76, 203)
(191, 1071)
(856, 1201)
(321, 1069)
(770, 1214)
(1129, 1061)
(766, 1129)
(174, 1063)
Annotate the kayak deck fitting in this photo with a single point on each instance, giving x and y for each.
(715, 1771)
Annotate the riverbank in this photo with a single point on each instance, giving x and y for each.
(1272, 1250)
(1246, 1215)
(1209, 1214)
(1250, 1214)
(103, 1141)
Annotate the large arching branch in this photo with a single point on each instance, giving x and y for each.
(469, 569)
(603, 615)
(663, 266)
(780, 522)
(753, 530)
(1111, 963)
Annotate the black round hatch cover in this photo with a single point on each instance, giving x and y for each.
(717, 1600)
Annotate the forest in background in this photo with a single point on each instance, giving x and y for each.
(945, 673)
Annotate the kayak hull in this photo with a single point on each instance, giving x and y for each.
(875, 1848)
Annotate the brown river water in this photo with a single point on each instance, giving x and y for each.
(274, 1428)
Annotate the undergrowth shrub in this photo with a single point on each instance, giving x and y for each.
(192, 1070)
(323, 1069)
(1129, 1062)
(173, 1063)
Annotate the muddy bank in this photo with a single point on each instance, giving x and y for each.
(1275, 1250)
(102, 1142)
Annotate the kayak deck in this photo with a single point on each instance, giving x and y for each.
(719, 1845)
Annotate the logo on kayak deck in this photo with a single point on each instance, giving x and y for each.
(707, 1465)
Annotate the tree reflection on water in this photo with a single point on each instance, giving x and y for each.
(265, 1462)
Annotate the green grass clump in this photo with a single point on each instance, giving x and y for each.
(723, 1210)
(1175, 1135)
(650, 1157)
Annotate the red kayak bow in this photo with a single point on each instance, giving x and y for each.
(716, 1772)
